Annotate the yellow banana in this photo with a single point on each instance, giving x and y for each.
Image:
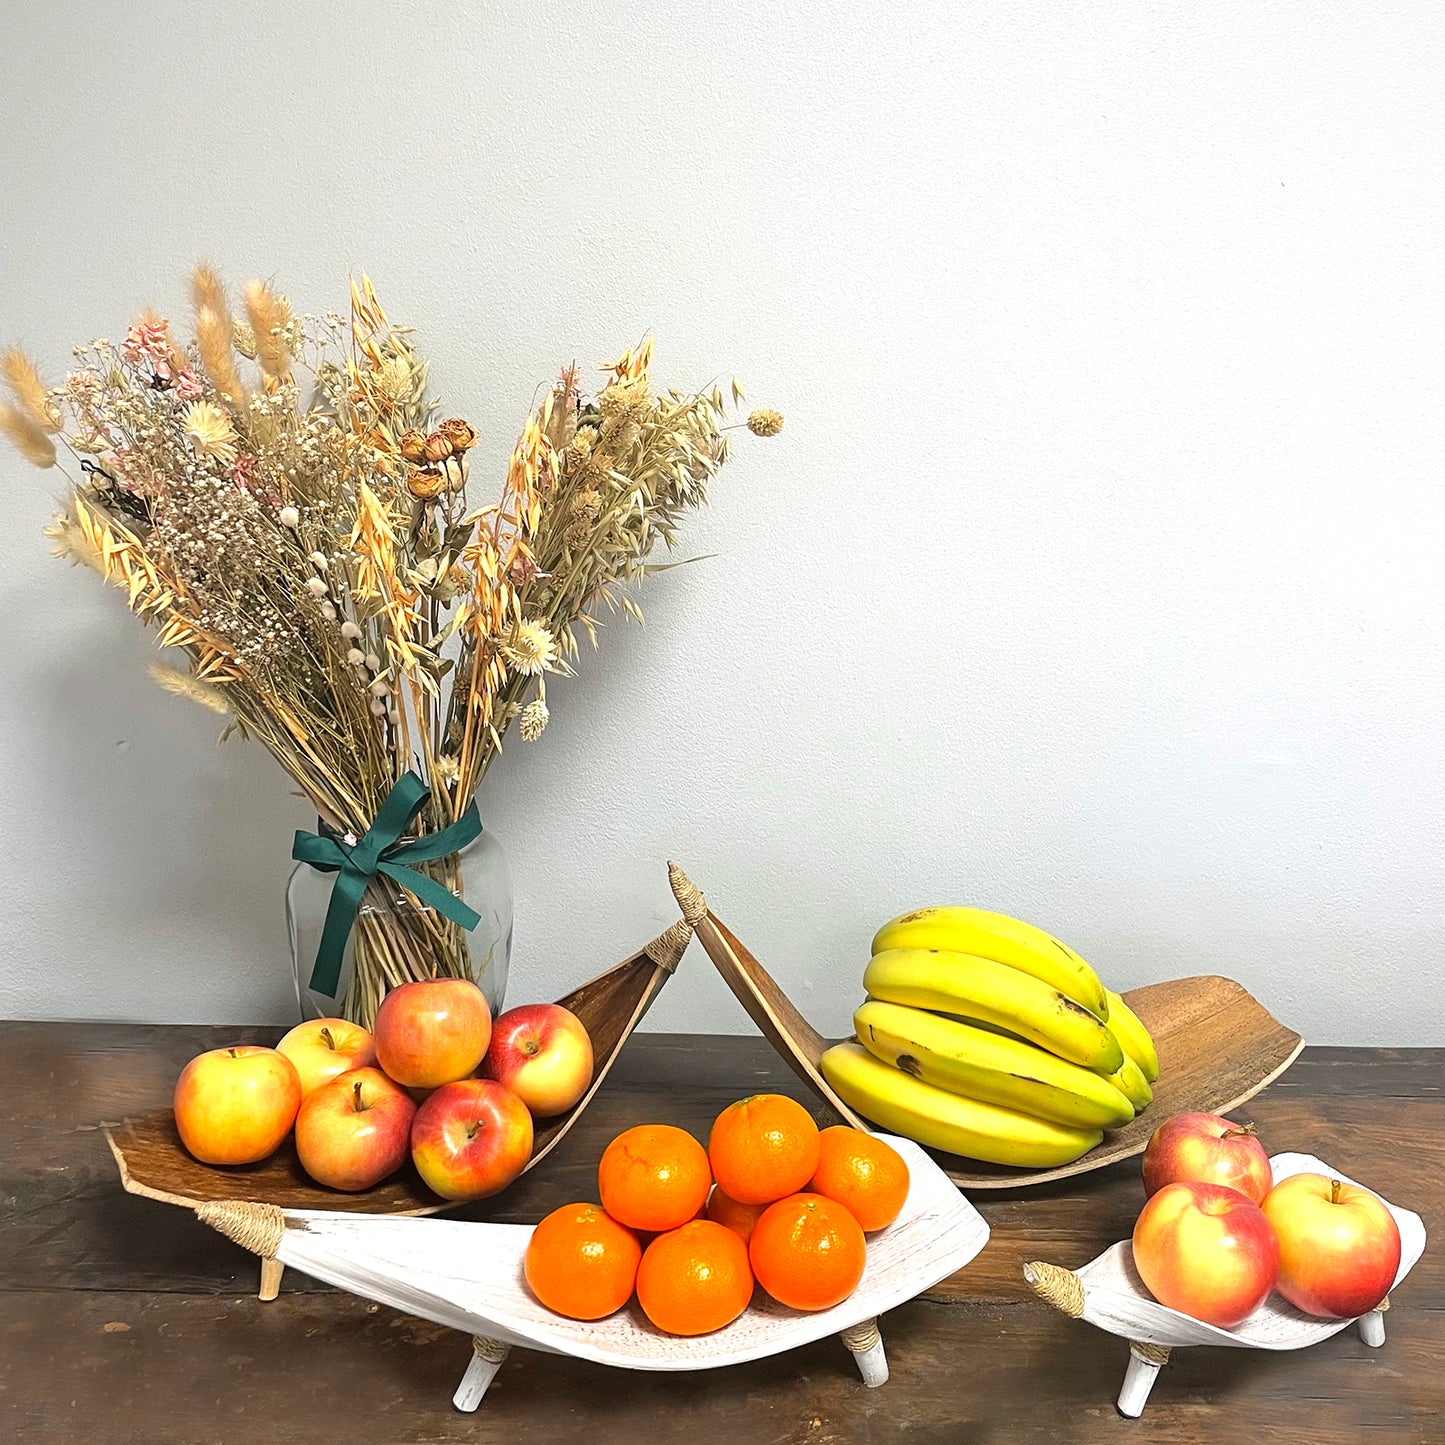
(1133, 1036)
(960, 983)
(1004, 940)
(983, 1065)
(1129, 1079)
(941, 1120)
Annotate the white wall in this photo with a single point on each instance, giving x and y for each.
(1096, 576)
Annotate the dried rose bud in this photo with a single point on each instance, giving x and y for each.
(413, 447)
(461, 434)
(436, 448)
(426, 483)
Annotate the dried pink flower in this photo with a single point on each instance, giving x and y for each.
(148, 339)
(187, 385)
(525, 570)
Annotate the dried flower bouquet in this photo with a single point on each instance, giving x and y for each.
(278, 499)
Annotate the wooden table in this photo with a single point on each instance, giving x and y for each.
(126, 1320)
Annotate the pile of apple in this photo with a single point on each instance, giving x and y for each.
(435, 1082)
(1218, 1234)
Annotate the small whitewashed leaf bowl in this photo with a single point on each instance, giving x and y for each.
(468, 1276)
(1108, 1292)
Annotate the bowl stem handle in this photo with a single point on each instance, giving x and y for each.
(487, 1358)
(1372, 1325)
(866, 1345)
(1145, 1362)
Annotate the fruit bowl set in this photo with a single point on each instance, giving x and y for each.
(1108, 1292)
(1217, 1045)
(469, 1277)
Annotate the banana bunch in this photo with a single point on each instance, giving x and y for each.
(987, 1037)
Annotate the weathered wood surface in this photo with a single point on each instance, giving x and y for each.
(979, 1360)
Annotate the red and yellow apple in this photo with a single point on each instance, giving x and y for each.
(432, 1032)
(1206, 1251)
(1207, 1149)
(323, 1048)
(543, 1054)
(471, 1138)
(236, 1105)
(354, 1130)
(1339, 1247)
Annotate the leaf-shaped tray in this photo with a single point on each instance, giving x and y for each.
(154, 1163)
(1108, 1292)
(1218, 1046)
(468, 1276)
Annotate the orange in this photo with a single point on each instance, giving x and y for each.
(740, 1218)
(807, 1252)
(653, 1177)
(581, 1263)
(694, 1279)
(763, 1148)
(865, 1175)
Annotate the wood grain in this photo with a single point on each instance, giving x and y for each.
(154, 1163)
(1218, 1047)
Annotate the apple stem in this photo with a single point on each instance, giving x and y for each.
(1241, 1131)
(1335, 1187)
(233, 1053)
(356, 1095)
(327, 1039)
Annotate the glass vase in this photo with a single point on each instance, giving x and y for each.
(396, 939)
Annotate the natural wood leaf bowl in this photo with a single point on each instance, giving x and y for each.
(1218, 1046)
(154, 1163)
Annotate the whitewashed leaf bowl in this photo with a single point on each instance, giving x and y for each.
(1108, 1292)
(468, 1276)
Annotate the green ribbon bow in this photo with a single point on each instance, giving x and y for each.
(381, 852)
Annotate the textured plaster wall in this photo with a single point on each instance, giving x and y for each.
(1096, 576)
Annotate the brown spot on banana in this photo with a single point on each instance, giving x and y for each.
(909, 1065)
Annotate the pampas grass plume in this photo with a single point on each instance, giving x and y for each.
(27, 438)
(28, 389)
(268, 315)
(207, 292)
(183, 684)
(213, 340)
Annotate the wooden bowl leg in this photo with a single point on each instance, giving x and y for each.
(1145, 1362)
(1372, 1325)
(866, 1345)
(487, 1357)
(271, 1272)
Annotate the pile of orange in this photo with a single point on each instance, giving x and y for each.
(771, 1200)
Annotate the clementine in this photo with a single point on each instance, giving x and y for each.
(581, 1263)
(740, 1218)
(807, 1252)
(694, 1279)
(763, 1148)
(865, 1175)
(653, 1177)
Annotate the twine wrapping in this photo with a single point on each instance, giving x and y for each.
(689, 899)
(667, 948)
(861, 1338)
(492, 1351)
(1056, 1286)
(257, 1227)
(1156, 1355)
